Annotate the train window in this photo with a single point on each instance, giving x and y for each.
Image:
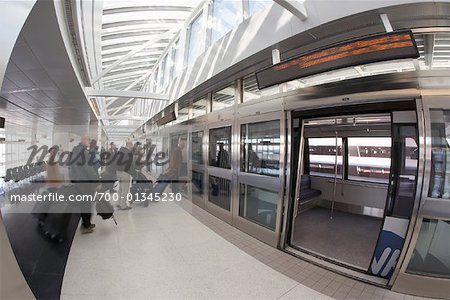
(369, 158)
(260, 153)
(220, 192)
(220, 147)
(197, 147)
(322, 156)
(199, 107)
(440, 154)
(252, 92)
(258, 205)
(223, 98)
(431, 256)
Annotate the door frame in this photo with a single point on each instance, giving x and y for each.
(227, 174)
(427, 207)
(274, 184)
(339, 102)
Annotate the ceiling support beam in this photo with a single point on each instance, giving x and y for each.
(126, 117)
(126, 94)
(137, 49)
(132, 85)
(295, 7)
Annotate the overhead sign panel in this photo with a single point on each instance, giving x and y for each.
(370, 49)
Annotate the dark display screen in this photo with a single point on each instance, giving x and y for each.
(375, 48)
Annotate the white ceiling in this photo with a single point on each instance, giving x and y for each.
(40, 88)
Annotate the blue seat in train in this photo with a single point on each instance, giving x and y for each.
(306, 192)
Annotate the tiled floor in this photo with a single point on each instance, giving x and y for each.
(176, 250)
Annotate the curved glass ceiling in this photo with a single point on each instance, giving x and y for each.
(128, 25)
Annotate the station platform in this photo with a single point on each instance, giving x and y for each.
(173, 250)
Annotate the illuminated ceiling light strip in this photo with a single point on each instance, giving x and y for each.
(126, 94)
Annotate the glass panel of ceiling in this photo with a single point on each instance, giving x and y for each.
(129, 24)
(196, 39)
(226, 16)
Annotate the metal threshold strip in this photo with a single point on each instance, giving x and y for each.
(340, 269)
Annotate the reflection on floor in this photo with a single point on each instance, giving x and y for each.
(42, 261)
(347, 237)
(162, 251)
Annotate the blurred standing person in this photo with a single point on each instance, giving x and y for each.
(54, 180)
(223, 158)
(94, 159)
(124, 165)
(86, 180)
(112, 148)
(148, 149)
(175, 163)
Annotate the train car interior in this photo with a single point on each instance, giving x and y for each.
(343, 187)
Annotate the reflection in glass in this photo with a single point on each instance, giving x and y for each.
(220, 147)
(226, 16)
(198, 183)
(252, 92)
(258, 205)
(322, 155)
(175, 60)
(220, 192)
(405, 163)
(440, 154)
(183, 115)
(196, 38)
(260, 151)
(255, 6)
(199, 107)
(369, 158)
(223, 98)
(197, 147)
(431, 257)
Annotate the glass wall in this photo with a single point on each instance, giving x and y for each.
(255, 6)
(197, 147)
(198, 184)
(431, 257)
(223, 98)
(220, 147)
(199, 107)
(175, 60)
(196, 39)
(183, 114)
(226, 16)
(252, 92)
(258, 205)
(167, 66)
(440, 154)
(220, 192)
(260, 148)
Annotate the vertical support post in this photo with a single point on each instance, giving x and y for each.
(335, 173)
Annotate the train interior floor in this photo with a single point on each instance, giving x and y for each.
(347, 237)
